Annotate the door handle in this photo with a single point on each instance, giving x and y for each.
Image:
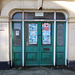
(39, 35)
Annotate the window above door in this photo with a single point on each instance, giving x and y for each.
(39, 16)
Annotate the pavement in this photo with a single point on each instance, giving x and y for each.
(38, 71)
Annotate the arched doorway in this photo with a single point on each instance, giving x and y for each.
(38, 38)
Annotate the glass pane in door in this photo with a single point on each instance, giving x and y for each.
(60, 34)
(46, 33)
(31, 34)
(17, 34)
(60, 43)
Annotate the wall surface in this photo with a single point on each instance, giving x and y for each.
(8, 6)
(4, 43)
(0, 6)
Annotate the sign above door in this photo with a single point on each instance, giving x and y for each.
(39, 14)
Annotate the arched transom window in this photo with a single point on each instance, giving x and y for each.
(38, 16)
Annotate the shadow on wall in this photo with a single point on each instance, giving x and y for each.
(33, 5)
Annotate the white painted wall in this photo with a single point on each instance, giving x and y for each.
(9, 5)
(4, 42)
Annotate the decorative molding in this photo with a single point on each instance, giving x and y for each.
(71, 18)
(4, 20)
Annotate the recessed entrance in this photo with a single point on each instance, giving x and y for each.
(38, 39)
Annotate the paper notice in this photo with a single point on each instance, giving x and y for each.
(17, 33)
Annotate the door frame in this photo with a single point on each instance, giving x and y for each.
(66, 46)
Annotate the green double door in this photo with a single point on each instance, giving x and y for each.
(38, 43)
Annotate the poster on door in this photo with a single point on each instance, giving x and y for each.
(32, 33)
(46, 33)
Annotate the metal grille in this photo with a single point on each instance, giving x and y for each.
(49, 15)
(60, 34)
(31, 15)
(60, 16)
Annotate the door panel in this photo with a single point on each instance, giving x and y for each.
(46, 34)
(17, 44)
(31, 45)
(38, 43)
(46, 46)
(60, 49)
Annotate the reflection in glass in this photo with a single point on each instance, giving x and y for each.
(17, 15)
(17, 26)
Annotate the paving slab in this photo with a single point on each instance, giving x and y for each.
(37, 71)
(9, 72)
(1, 72)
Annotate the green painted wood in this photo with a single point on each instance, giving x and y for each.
(31, 52)
(60, 50)
(16, 50)
(36, 55)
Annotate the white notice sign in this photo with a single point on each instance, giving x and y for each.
(17, 33)
(39, 14)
